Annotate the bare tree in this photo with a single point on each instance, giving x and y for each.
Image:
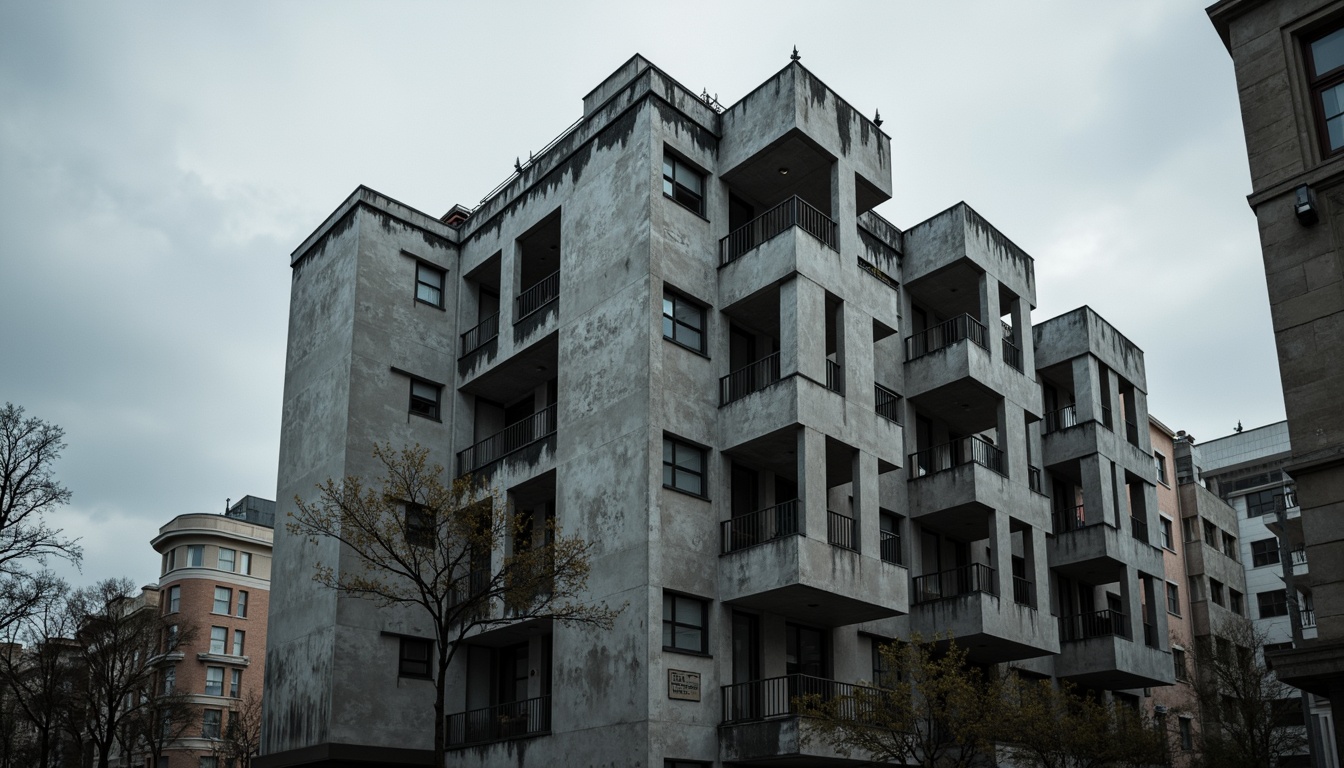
(151, 729)
(418, 541)
(29, 491)
(241, 739)
(37, 667)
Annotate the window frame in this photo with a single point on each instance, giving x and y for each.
(196, 556)
(228, 601)
(405, 661)
(174, 598)
(245, 563)
(1168, 533)
(169, 678)
(671, 469)
(219, 640)
(676, 298)
(1173, 599)
(209, 671)
(427, 408)
(1161, 462)
(1179, 665)
(239, 642)
(421, 282)
(1273, 603)
(673, 187)
(675, 622)
(416, 529)
(207, 731)
(1317, 85)
(1262, 555)
(232, 559)
(242, 604)
(235, 683)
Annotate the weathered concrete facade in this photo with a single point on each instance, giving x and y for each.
(792, 429)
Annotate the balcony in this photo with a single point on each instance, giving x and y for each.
(748, 379)
(891, 547)
(949, 456)
(793, 212)
(484, 332)
(1097, 552)
(1012, 355)
(887, 403)
(501, 722)
(944, 335)
(1085, 626)
(842, 531)
(512, 439)
(964, 603)
(1024, 592)
(537, 297)
(761, 720)
(835, 380)
(1138, 528)
(1034, 479)
(1061, 419)
(1070, 519)
(1097, 651)
(760, 526)
(1308, 616)
(957, 581)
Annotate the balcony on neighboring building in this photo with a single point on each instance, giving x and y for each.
(501, 722)
(1097, 650)
(761, 721)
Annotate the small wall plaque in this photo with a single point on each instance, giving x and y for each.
(683, 685)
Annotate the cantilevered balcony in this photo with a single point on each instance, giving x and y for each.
(760, 526)
(761, 720)
(1097, 650)
(501, 722)
(485, 331)
(945, 334)
(1096, 552)
(964, 602)
(793, 212)
(508, 441)
(949, 456)
(537, 297)
(748, 379)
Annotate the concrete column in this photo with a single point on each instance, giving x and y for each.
(1141, 418)
(1112, 400)
(1145, 508)
(812, 482)
(510, 277)
(1098, 493)
(1013, 439)
(1001, 553)
(1131, 595)
(857, 355)
(1026, 341)
(843, 206)
(802, 330)
(1086, 388)
(1038, 568)
(990, 314)
(866, 503)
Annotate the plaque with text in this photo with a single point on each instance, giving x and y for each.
(683, 685)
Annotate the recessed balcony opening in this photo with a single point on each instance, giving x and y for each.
(508, 693)
(1090, 609)
(951, 566)
(538, 268)
(945, 310)
(842, 525)
(886, 372)
(482, 305)
(1012, 335)
(785, 185)
(963, 432)
(513, 407)
(835, 358)
(763, 493)
(1058, 398)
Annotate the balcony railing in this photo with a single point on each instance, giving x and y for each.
(1308, 617)
(777, 697)
(891, 547)
(944, 335)
(835, 378)
(539, 295)
(842, 531)
(1299, 556)
(1034, 479)
(1084, 626)
(957, 581)
(1069, 519)
(1138, 528)
(966, 450)
(1012, 355)
(1061, 419)
(476, 583)
(484, 331)
(514, 720)
(760, 526)
(887, 403)
(1024, 592)
(512, 438)
(748, 379)
(793, 212)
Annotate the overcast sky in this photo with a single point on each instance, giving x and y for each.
(159, 162)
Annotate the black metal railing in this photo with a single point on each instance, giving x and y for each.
(1084, 626)
(890, 545)
(1034, 478)
(1012, 355)
(1024, 592)
(835, 378)
(1132, 432)
(1106, 417)
(778, 697)
(1138, 528)
(1308, 617)
(793, 212)
(1069, 519)
(887, 403)
(1061, 419)
(514, 720)
(539, 295)
(512, 438)
(842, 531)
(957, 581)
(945, 334)
(966, 450)
(749, 378)
(474, 585)
(760, 526)
(484, 331)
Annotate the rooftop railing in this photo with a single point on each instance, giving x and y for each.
(945, 334)
(793, 212)
(1084, 626)
(760, 526)
(965, 580)
(513, 720)
(778, 697)
(966, 450)
(512, 438)
(749, 378)
(543, 292)
(477, 337)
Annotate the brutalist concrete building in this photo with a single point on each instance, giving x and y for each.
(793, 430)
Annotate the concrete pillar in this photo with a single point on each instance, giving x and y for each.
(857, 355)
(990, 314)
(1144, 497)
(510, 277)
(802, 330)
(1111, 399)
(812, 482)
(1012, 439)
(843, 206)
(1157, 610)
(1038, 568)
(1001, 553)
(1098, 493)
(866, 502)
(1141, 418)
(1086, 388)
(1131, 595)
(1025, 340)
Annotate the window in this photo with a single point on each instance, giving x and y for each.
(1272, 603)
(1216, 591)
(170, 560)
(1325, 77)
(429, 284)
(683, 322)
(1173, 599)
(1264, 552)
(196, 556)
(1229, 545)
(1263, 502)
(1167, 540)
(170, 638)
(1210, 534)
(1178, 660)
(238, 636)
(169, 678)
(683, 467)
(242, 603)
(226, 559)
(235, 683)
(1161, 462)
(425, 399)
(684, 623)
(683, 183)
(219, 636)
(245, 563)
(1235, 602)
(214, 681)
(174, 599)
(1188, 526)
(208, 762)
(413, 658)
(1187, 735)
(223, 600)
(210, 722)
(419, 525)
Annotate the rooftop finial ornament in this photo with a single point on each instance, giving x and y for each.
(877, 118)
(517, 166)
(795, 56)
(1238, 429)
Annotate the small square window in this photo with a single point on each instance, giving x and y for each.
(414, 658)
(683, 467)
(684, 623)
(218, 637)
(238, 636)
(242, 604)
(425, 399)
(1272, 603)
(1264, 552)
(226, 559)
(223, 600)
(683, 322)
(683, 183)
(210, 723)
(214, 682)
(429, 284)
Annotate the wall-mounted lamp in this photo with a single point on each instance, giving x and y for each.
(1305, 207)
(783, 170)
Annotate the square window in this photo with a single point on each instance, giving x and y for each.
(238, 636)
(218, 637)
(683, 322)
(683, 183)
(210, 722)
(226, 559)
(174, 599)
(195, 556)
(235, 683)
(1272, 603)
(245, 563)
(683, 467)
(1264, 552)
(214, 682)
(242, 604)
(684, 623)
(1173, 599)
(413, 658)
(429, 284)
(425, 399)
(223, 600)
(1264, 502)
(419, 529)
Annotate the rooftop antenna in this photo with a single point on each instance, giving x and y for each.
(226, 505)
(795, 56)
(877, 118)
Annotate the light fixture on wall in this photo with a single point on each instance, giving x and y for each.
(1305, 207)
(783, 170)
